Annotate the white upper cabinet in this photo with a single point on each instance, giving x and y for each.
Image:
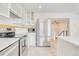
(12, 11)
(16, 8)
(30, 18)
(19, 9)
(23, 12)
(24, 15)
(13, 8)
(4, 10)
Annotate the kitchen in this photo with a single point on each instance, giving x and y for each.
(34, 29)
(13, 29)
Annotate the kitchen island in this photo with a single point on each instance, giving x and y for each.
(11, 46)
(5, 42)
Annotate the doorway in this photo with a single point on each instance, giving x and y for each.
(59, 27)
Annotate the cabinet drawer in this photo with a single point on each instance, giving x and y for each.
(7, 51)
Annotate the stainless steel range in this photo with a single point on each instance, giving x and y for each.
(7, 32)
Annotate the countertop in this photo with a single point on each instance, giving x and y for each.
(5, 42)
(72, 40)
(19, 35)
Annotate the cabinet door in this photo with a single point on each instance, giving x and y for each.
(4, 11)
(16, 8)
(19, 9)
(22, 46)
(12, 50)
(32, 40)
(24, 15)
(24, 12)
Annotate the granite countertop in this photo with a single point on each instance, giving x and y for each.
(72, 40)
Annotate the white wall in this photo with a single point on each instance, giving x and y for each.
(74, 26)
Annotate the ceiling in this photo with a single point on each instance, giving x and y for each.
(52, 7)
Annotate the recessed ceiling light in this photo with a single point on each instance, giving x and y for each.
(39, 6)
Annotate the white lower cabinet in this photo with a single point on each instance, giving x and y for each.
(12, 50)
(32, 40)
(66, 48)
(22, 46)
